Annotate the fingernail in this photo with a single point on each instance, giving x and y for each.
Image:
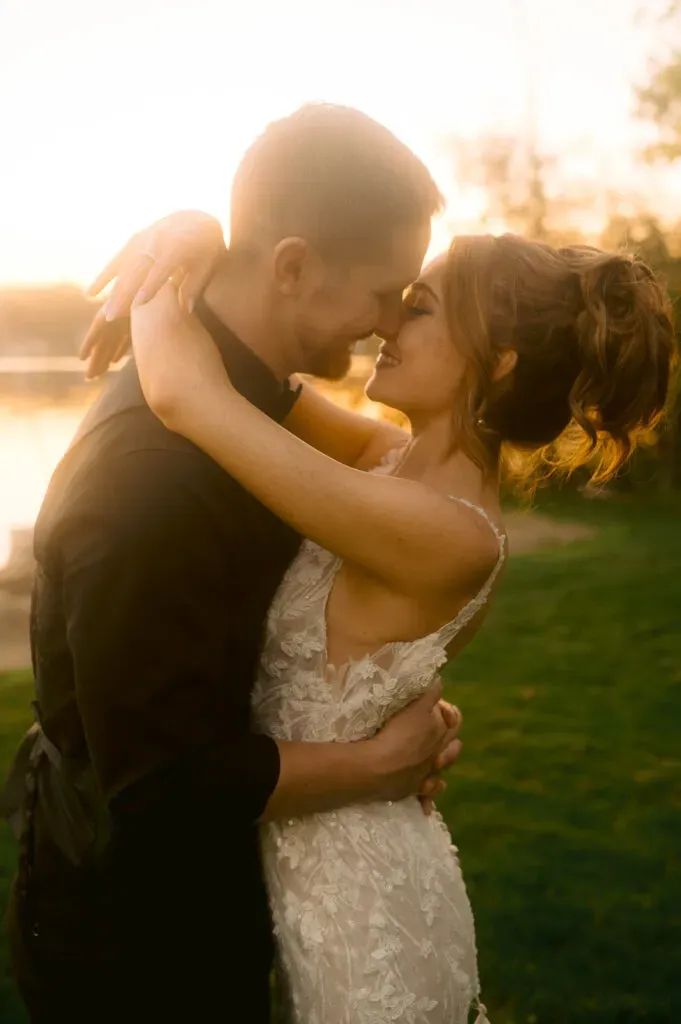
(140, 298)
(110, 312)
(190, 306)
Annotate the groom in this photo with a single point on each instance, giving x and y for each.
(137, 793)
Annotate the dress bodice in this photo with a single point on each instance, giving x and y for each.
(299, 696)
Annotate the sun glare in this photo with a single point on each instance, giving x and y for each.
(121, 113)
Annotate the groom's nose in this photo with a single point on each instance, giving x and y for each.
(391, 318)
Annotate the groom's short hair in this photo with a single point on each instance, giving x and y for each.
(332, 175)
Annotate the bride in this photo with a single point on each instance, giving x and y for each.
(506, 345)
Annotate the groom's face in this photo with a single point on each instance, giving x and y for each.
(349, 301)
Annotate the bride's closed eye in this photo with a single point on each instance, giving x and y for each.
(412, 306)
(412, 309)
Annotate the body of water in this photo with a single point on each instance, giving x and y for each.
(33, 437)
(42, 402)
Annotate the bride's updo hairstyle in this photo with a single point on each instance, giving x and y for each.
(595, 351)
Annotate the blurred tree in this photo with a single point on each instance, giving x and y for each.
(660, 100)
(511, 173)
(43, 321)
(642, 233)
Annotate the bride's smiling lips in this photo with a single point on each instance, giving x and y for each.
(387, 358)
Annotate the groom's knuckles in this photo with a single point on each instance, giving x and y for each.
(436, 690)
(449, 739)
(448, 755)
(451, 715)
(432, 787)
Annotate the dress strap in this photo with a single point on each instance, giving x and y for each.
(470, 610)
(485, 515)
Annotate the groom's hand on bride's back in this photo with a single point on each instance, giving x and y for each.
(434, 785)
(417, 744)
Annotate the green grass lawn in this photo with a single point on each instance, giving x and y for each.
(565, 805)
(15, 715)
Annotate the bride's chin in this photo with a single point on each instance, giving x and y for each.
(377, 393)
(372, 389)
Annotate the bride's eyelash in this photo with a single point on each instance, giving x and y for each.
(411, 306)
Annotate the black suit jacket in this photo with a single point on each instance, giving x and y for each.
(155, 570)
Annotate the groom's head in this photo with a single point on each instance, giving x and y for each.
(332, 212)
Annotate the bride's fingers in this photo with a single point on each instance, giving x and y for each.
(103, 343)
(94, 334)
(158, 274)
(110, 270)
(100, 360)
(123, 348)
(195, 282)
(143, 276)
(106, 353)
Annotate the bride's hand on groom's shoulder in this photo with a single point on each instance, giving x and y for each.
(417, 744)
(186, 246)
(179, 365)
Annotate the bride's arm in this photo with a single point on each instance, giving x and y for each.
(400, 530)
(340, 433)
(191, 243)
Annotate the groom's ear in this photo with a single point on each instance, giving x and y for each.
(293, 262)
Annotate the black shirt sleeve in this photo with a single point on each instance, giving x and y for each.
(145, 561)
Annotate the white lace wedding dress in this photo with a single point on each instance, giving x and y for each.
(370, 910)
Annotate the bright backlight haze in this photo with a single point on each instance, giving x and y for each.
(116, 113)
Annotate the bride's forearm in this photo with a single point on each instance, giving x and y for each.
(374, 521)
(342, 434)
(385, 524)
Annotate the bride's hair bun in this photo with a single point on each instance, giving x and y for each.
(595, 348)
(625, 341)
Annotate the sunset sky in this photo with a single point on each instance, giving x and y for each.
(116, 113)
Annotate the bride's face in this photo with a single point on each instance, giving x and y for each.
(346, 302)
(419, 371)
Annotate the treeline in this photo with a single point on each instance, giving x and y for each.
(43, 321)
